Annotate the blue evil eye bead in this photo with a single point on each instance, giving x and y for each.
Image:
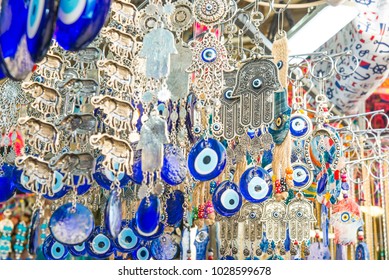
(127, 241)
(345, 217)
(17, 180)
(53, 250)
(99, 245)
(302, 176)
(207, 159)
(7, 189)
(209, 55)
(105, 177)
(174, 209)
(113, 214)
(322, 183)
(59, 189)
(33, 242)
(362, 252)
(15, 60)
(164, 248)
(300, 126)
(256, 185)
(174, 168)
(41, 18)
(280, 64)
(142, 253)
(79, 22)
(226, 199)
(71, 225)
(78, 250)
(228, 93)
(147, 223)
(256, 83)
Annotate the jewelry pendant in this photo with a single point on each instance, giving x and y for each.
(121, 78)
(120, 43)
(125, 13)
(274, 213)
(182, 17)
(210, 12)
(300, 126)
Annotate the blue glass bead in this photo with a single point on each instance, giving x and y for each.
(322, 184)
(7, 189)
(79, 22)
(78, 250)
(59, 189)
(113, 214)
(174, 168)
(300, 126)
(105, 178)
(99, 245)
(302, 177)
(207, 159)
(33, 241)
(174, 209)
(81, 189)
(362, 252)
(256, 185)
(164, 248)
(42, 15)
(345, 186)
(147, 218)
(142, 253)
(15, 59)
(16, 181)
(53, 250)
(227, 199)
(71, 226)
(209, 55)
(127, 241)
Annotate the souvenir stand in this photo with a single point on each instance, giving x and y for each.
(194, 129)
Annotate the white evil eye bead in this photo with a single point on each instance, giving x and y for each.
(209, 55)
(302, 177)
(255, 185)
(299, 214)
(300, 126)
(41, 18)
(217, 128)
(256, 83)
(228, 94)
(58, 251)
(143, 253)
(276, 215)
(79, 22)
(196, 129)
(226, 199)
(345, 217)
(127, 241)
(206, 159)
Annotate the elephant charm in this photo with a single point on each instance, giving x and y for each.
(81, 89)
(120, 43)
(79, 126)
(41, 135)
(121, 77)
(51, 67)
(119, 113)
(118, 153)
(124, 13)
(75, 164)
(40, 176)
(47, 100)
(86, 58)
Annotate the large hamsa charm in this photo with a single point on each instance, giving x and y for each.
(255, 85)
(273, 216)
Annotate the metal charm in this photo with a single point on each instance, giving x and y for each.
(121, 77)
(274, 213)
(122, 44)
(182, 18)
(47, 100)
(210, 12)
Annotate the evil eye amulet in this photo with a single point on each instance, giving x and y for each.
(302, 176)
(99, 245)
(209, 55)
(53, 250)
(105, 177)
(226, 199)
(300, 126)
(7, 189)
(79, 22)
(207, 159)
(143, 253)
(174, 165)
(78, 250)
(256, 185)
(127, 241)
(42, 15)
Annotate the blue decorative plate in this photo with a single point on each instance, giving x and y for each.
(33, 241)
(174, 165)
(227, 199)
(79, 22)
(99, 245)
(302, 176)
(147, 223)
(105, 178)
(42, 15)
(15, 59)
(127, 241)
(142, 253)
(71, 227)
(113, 214)
(256, 185)
(78, 250)
(164, 248)
(300, 126)
(7, 189)
(53, 250)
(174, 209)
(207, 159)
